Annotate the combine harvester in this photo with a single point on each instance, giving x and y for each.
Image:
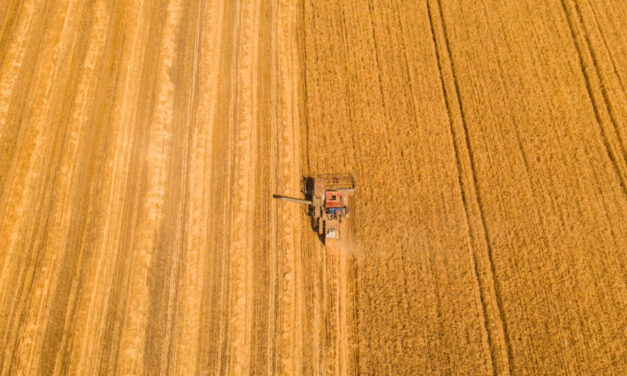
(327, 200)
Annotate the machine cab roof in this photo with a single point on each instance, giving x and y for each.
(334, 199)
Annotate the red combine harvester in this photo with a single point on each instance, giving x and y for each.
(327, 201)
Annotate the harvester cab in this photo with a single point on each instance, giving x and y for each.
(327, 201)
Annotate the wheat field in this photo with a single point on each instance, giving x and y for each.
(141, 142)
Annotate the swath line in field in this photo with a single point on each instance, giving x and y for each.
(464, 150)
(11, 14)
(170, 253)
(213, 97)
(595, 106)
(33, 180)
(185, 349)
(67, 279)
(127, 147)
(23, 54)
(223, 159)
(78, 165)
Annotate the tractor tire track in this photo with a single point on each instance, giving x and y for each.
(500, 346)
(600, 106)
